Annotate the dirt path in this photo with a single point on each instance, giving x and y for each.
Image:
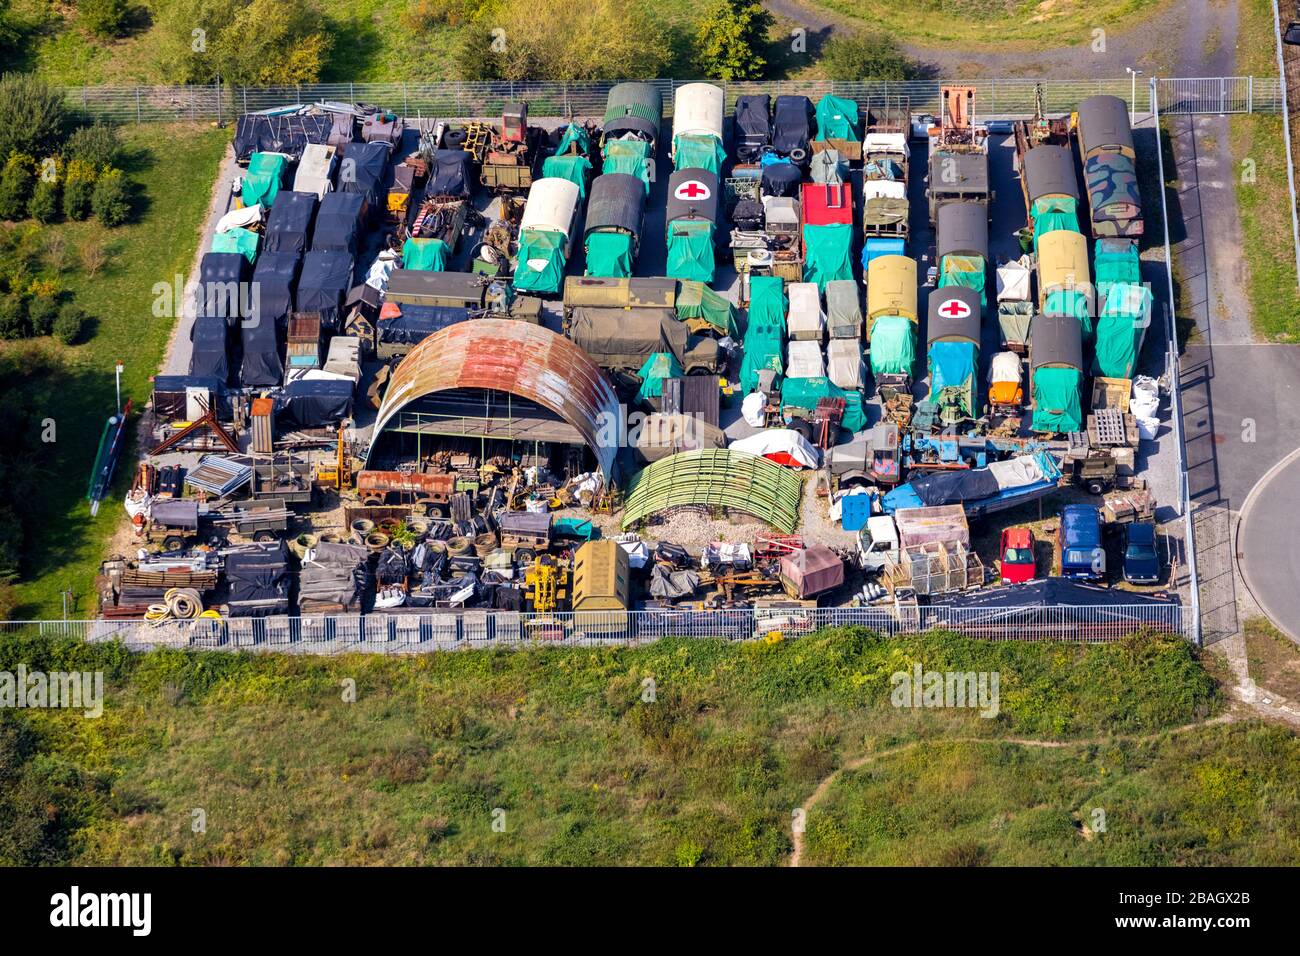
(796, 857)
(1206, 45)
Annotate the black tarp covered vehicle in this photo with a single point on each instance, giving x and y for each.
(363, 169)
(278, 134)
(258, 580)
(753, 126)
(222, 291)
(261, 365)
(338, 222)
(210, 357)
(451, 174)
(275, 283)
(288, 227)
(326, 278)
(314, 403)
(792, 121)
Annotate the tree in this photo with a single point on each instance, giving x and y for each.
(33, 115)
(730, 39)
(16, 182)
(42, 311)
(865, 56)
(477, 60)
(44, 204)
(105, 19)
(111, 199)
(565, 41)
(13, 317)
(273, 43)
(78, 187)
(70, 324)
(187, 32)
(97, 145)
(93, 255)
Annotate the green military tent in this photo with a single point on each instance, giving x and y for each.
(800, 396)
(828, 253)
(262, 181)
(1052, 213)
(704, 310)
(610, 254)
(764, 330)
(837, 118)
(699, 150)
(1124, 308)
(425, 255)
(629, 156)
(243, 241)
(575, 168)
(540, 266)
(659, 366)
(893, 345)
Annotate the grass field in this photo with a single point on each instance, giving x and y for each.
(172, 168)
(586, 771)
(995, 24)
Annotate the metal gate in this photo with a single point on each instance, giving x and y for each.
(1211, 94)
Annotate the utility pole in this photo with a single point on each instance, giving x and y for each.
(119, 387)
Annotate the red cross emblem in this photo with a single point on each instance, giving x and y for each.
(692, 189)
(954, 309)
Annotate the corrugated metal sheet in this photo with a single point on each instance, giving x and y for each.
(716, 478)
(516, 357)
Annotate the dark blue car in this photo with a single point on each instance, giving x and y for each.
(1141, 563)
(1082, 554)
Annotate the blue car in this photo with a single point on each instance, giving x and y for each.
(1083, 556)
(1141, 562)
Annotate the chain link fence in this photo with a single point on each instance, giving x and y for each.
(1235, 94)
(416, 633)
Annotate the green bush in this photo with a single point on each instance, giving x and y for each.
(13, 317)
(97, 146)
(111, 198)
(78, 187)
(730, 39)
(42, 311)
(16, 182)
(105, 19)
(33, 115)
(865, 56)
(44, 204)
(70, 324)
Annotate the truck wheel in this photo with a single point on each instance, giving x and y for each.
(434, 510)
(524, 555)
(264, 537)
(173, 543)
(1096, 487)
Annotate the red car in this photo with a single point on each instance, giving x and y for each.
(1017, 554)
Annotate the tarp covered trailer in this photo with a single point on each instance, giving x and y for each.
(953, 329)
(892, 317)
(615, 212)
(288, 227)
(544, 236)
(753, 126)
(634, 108)
(694, 205)
(698, 110)
(1056, 373)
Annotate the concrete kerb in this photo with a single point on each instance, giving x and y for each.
(1242, 517)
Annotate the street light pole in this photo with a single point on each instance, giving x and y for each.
(119, 387)
(1132, 99)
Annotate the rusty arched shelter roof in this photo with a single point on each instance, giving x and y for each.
(511, 356)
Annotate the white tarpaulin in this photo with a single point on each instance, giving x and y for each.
(240, 218)
(886, 143)
(844, 364)
(1013, 282)
(806, 319)
(752, 409)
(884, 189)
(1016, 472)
(1005, 367)
(551, 205)
(785, 446)
(805, 360)
(314, 170)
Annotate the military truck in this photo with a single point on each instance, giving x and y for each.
(620, 340)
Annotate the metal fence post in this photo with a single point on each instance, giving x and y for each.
(137, 104)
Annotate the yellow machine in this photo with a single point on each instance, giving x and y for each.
(546, 585)
(337, 473)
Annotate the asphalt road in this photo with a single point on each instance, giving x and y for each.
(1268, 537)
